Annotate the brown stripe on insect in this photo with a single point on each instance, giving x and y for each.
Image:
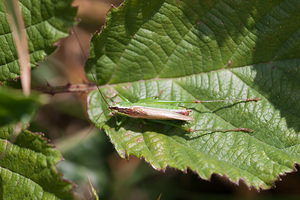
(132, 112)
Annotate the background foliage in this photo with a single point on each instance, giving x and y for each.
(46, 21)
(28, 162)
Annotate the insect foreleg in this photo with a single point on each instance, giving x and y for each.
(120, 123)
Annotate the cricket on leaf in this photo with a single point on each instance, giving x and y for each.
(165, 111)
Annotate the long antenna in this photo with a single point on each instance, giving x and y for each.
(210, 101)
(85, 58)
(100, 90)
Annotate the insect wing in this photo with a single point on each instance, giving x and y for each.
(157, 113)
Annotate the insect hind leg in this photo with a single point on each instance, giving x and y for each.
(246, 130)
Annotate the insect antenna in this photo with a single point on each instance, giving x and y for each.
(85, 58)
(211, 101)
(93, 76)
(225, 100)
(100, 90)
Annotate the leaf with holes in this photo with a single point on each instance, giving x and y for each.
(207, 50)
(46, 21)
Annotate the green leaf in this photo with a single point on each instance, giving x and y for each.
(28, 167)
(15, 107)
(46, 21)
(207, 50)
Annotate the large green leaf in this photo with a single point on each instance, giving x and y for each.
(15, 107)
(28, 167)
(46, 21)
(186, 50)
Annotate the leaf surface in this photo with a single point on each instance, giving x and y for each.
(15, 107)
(46, 21)
(206, 50)
(28, 167)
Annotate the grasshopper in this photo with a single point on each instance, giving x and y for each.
(163, 111)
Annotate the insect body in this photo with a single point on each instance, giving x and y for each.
(158, 110)
(149, 112)
(155, 109)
